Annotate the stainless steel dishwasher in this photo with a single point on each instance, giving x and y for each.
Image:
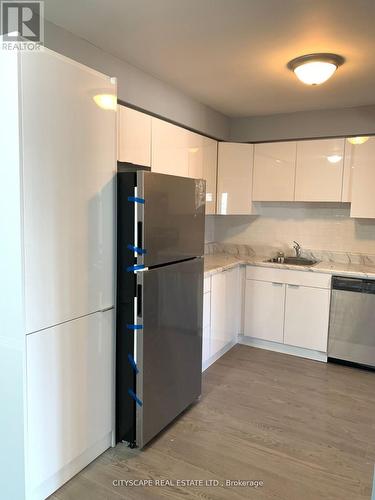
(352, 321)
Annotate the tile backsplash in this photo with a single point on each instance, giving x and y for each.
(319, 226)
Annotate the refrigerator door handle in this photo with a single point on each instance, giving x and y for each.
(140, 234)
(139, 300)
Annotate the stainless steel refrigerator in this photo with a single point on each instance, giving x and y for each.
(160, 232)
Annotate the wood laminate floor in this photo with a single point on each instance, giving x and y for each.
(306, 429)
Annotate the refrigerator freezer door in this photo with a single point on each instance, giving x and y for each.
(172, 218)
(169, 350)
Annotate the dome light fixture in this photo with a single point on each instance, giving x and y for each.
(314, 69)
(358, 140)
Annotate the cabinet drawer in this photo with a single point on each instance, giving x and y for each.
(288, 276)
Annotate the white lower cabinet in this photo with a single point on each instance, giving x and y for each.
(287, 307)
(264, 310)
(306, 317)
(70, 380)
(206, 327)
(221, 314)
(225, 309)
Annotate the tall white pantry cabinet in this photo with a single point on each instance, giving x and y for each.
(57, 268)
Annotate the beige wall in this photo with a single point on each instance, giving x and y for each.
(307, 124)
(315, 226)
(139, 88)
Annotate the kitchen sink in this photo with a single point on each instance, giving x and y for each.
(295, 261)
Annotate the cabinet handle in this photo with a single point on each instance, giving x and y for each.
(275, 283)
(293, 286)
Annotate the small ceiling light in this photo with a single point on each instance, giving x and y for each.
(106, 101)
(334, 158)
(314, 69)
(358, 140)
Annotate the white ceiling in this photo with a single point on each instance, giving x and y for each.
(232, 54)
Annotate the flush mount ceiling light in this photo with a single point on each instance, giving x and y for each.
(358, 140)
(314, 69)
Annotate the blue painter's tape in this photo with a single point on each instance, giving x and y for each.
(133, 363)
(135, 199)
(135, 397)
(134, 327)
(135, 268)
(141, 251)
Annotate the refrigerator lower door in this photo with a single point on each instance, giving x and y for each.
(169, 349)
(171, 219)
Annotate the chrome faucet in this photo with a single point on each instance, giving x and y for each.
(297, 248)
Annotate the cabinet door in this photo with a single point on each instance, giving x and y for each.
(70, 384)
(69, 163)
(206, 327)
(274, 171)
(235, 177)
(349, 157)
(306, 317)
(362, 166)
(170, 149)
(202, 162)
(210, 173)
(134, 136)
(264, 310)
(319, 172)
(225, 309)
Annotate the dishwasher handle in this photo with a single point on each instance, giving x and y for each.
(349, 284)
(369, 286)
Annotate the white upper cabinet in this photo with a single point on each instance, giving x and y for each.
(348, 172)
(134, 136)
(360, 179)
(274, 171)
(235, 178)
(202, 164)
(319, 171)
(177, 151)
(169, 149)
(69, 164)
(210, 173)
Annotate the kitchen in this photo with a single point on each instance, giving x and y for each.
(266, 345)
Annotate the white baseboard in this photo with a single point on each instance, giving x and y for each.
(53, 483)
(218, 355)
(283, 348)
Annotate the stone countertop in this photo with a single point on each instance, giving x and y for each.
(221, 261)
